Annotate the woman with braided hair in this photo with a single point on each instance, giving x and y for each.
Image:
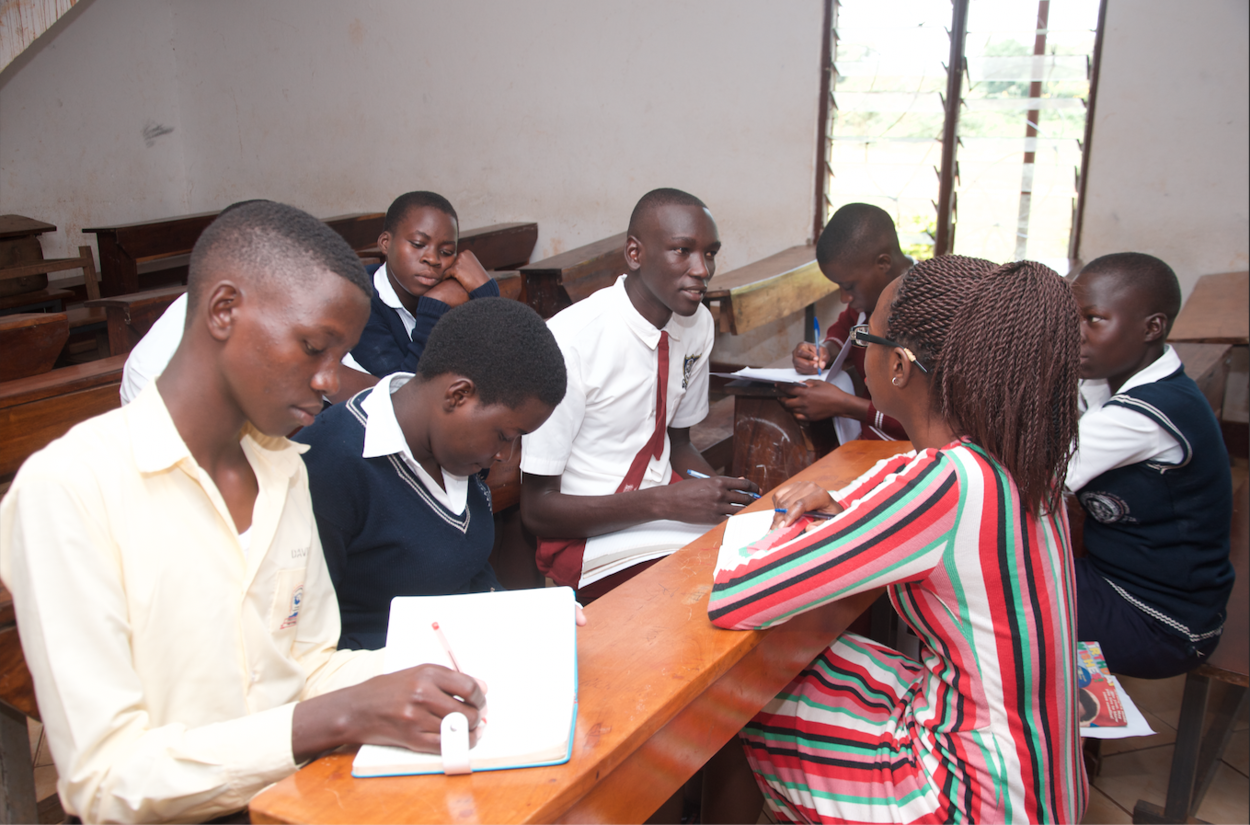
(970, 536)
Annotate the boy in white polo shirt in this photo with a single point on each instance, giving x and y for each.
(609, 484)
(174, 605)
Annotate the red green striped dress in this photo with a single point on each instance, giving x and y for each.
(984, 726)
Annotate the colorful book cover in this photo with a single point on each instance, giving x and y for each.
(1099, 699)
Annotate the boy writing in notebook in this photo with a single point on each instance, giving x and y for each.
(608, 482)
(398, 472)
(859, 251)
(1152, 473)
(175, 609)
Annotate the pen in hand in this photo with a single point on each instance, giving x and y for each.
(816, 330)
(810, 513)
(697, 474)
(442, 640)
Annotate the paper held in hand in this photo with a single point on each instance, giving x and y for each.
(522, 644)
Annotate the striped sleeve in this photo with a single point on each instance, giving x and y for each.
(869, 480)
(895, 532)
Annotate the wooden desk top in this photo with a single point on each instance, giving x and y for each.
(769, 288)
(1216, 311)
(661, 690)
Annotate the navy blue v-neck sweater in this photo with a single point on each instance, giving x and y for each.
(383, 533)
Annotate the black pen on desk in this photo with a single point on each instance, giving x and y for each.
(697, 474)
(811, 513)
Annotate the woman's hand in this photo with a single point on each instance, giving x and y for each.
(799, 498)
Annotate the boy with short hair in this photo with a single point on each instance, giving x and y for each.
(173, 601)
(1152, 474)
(608, 482)
(398, 472)
(859, 251)
(422, 278)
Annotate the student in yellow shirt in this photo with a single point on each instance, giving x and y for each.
(173, 601)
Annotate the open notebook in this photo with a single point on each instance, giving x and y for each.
(522, 643)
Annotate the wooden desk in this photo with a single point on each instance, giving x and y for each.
(125, 246)
(661, 691)
(552, 284)
(769, 444)
(1215, 312)
(129, 317)
(768, 289)
(40, 408)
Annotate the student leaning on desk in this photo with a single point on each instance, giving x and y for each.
(174, 605)
(969, 534)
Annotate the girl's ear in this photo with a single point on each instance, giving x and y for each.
(458, 393)
(901, 368)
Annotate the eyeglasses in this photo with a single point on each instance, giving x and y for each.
(860, 337)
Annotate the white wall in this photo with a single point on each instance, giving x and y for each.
(72, 113)
(1169, 168)
(563, 112)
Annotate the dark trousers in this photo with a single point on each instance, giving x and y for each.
(1133, 643)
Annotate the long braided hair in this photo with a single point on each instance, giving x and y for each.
(1008, 378)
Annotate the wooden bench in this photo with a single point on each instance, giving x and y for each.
(1210, 335)
(38, 409)
(129, 317)
(31, 342)
(554, 283)
(767, 290)
(161, 249)
(125, 246)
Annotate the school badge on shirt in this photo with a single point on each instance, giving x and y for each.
(687, 369)
(297, 599)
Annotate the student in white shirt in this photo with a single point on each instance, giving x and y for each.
(606, 483)
(173, 601)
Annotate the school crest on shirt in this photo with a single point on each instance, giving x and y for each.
(1105, 507)
(297, 600)
(687, 369)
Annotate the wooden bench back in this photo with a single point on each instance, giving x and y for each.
(31, 342)
(562, 280)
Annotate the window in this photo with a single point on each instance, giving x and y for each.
(999, 176)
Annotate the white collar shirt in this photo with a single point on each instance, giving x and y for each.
(608, 411)
(383, 437)
(1114, 436)
(389, 297)
(166, 660)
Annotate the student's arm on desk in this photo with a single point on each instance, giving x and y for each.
(922, 492)
(548, 512)
(465, 281)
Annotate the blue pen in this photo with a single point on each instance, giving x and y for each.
(811, 513)
(816, 329)
(696, 474)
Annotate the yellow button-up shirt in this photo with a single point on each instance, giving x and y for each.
(166, 660)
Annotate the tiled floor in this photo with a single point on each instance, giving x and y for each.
(1134, 769)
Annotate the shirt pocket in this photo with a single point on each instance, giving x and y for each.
(288, 599)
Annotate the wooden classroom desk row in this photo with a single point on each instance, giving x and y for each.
(661, 690)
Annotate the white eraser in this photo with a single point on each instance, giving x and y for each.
(454, 742)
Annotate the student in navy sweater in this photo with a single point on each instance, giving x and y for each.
(397, 472)
(1152, 474)
(422, 278)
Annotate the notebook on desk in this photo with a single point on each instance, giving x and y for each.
(522, 644)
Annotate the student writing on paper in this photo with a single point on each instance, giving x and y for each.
(858, 250)
(613, 457)
(1152, 474)
(969, 534)
(397, 472)
(176, 612)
